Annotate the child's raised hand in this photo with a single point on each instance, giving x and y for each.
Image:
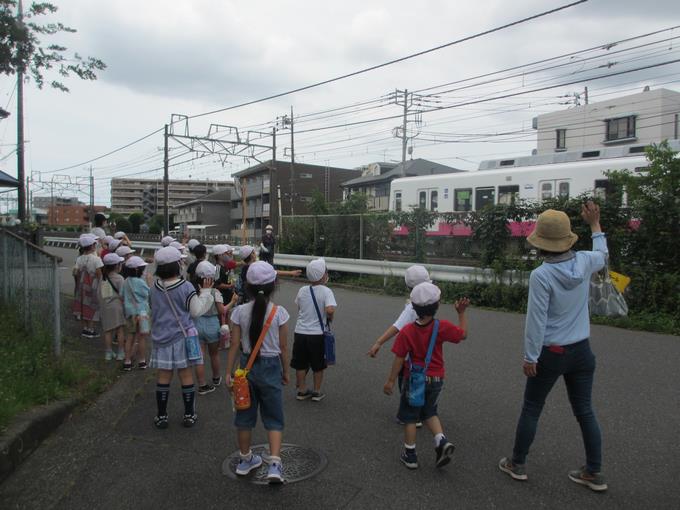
(461, 304)
(207, 283)
(389, 386)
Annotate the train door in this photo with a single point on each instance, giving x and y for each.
(428, 199)
(554, 188)
(484, 196)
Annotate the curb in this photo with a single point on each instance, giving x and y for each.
(28, 431)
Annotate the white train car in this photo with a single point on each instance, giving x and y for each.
(533, 178)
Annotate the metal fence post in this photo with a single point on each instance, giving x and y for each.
(361, 236)
(24, 274)
(56, 305)
(5, 269)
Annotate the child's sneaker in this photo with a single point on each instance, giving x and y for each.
(120, 356)
(317, 396)
(217, 381)
(142, 365)
(594, 481)
(275, 473)
(161, 422)
(85, 333)
(409, 458)
(444, 451)
(108, 356)
(303, 395)
(127, 366)
(189, 420)
(205, 389)
(516, 471)
(246, 466)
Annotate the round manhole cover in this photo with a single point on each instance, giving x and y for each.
(299, 463)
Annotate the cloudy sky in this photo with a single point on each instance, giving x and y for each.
(190, 57)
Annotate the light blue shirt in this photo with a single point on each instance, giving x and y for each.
(557, 310)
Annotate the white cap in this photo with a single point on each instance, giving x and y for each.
(415, 275)
(135, 262)
(107, 239)
(269, 227)
(315, 270)
(245, 252)
(193, 243)
(167, 240)
(166, 255)
(261, 273)
(425, 293)
(86, 240)
(220, 249)
(111, 259)
(205, 269)
(177, 245)
(114, 244)
(119, 235)
(124, 251)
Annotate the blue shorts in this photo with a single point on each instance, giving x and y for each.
(409, 414)
(208, 327)
(266, 392)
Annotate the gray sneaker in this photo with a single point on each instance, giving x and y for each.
(594, 481)
(516, 471)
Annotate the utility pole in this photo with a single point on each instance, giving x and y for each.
(404, 139)
(166, 182)
(244, 207)
(91, 215)
(272, 173)
(292, 162)
(21, 205)
(586, 95)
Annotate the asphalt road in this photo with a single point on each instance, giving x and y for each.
(110, 456)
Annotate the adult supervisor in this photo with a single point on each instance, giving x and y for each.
(556, 339)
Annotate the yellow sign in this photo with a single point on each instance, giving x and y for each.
(619, 280)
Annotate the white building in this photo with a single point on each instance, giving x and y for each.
(647, 117)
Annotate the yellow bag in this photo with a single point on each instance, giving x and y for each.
(619, 280)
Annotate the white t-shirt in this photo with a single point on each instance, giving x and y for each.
(217, 295)
(407, 316)
(89, 263)
(308, 321)
(270, 347)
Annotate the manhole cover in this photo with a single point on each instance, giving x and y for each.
(299, 463)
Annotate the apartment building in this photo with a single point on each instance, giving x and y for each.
(206, 215)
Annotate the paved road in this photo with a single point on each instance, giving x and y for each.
(111, 456)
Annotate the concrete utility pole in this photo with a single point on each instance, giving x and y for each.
(21, 205)
(404, 139)
(91, 215)
(272, 173)
(292, 162)
(166, 182)
(244, 207)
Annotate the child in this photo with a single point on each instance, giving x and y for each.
(309, 347)
(249, 256)
(414, 275)
(111, 305)
(136, 305)
(224, 259)
(126, 252)
(208, 326)
(173, 304)
(198, 253)
(413, 341)
(268, 373)
(87, 272)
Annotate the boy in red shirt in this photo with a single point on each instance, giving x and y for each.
(413, 341)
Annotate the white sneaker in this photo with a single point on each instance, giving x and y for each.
(109, 355)
(120, 356)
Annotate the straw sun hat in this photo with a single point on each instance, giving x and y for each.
(553, 232)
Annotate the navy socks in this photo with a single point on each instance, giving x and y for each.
(162, 391)
(189, 396)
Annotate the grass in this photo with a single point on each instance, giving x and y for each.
(31, 375)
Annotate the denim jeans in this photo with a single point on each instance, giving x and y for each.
(577, 365)
(266, 393)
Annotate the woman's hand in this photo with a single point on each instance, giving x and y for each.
(590, 212)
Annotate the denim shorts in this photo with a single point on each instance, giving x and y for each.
(266, 392)
(208, 327)
(409, 414)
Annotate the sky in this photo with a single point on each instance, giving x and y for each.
(178, 57)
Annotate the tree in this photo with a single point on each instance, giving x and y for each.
(21, 50)
(136, 219)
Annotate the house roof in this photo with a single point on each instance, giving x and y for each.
(7, 181)
(298, 167)
(413, 167)
(222, 196)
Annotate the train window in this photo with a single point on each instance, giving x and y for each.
(462, 199)
(507, 162)
(397, 201)
(602, 188)
(637, 150)
(590, 154)
(422, 199)
(560, 139)
(546, 190)
(508, 195)
(563, 189)
(434, 196)
(484, 197)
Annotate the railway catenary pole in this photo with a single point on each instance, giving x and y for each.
(166, 182)
(404, 139)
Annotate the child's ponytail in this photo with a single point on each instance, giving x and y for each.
(260, 295)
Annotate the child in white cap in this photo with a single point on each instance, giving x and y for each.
(87, 273)
(309, 348)
(208, 326)
(268, 374)
(174, 303)
(137, 312)
(415, 341)
(111, 306)
(167, 241)
(249, 256)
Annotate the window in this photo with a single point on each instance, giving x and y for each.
(560, 139)
(397, 201)
(590, 154)
(433, 200)
(507, 162)
(305, 176)
(563, 189)
(462, 199)
(484, 197)
(422, 199)
(620, 128)
(508, 195)
(546, 190)
(602, 188)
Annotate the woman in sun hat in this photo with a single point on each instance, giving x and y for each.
(556, 338)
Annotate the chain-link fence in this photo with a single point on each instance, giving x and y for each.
(30, 285)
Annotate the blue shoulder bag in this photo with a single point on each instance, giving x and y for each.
(417, 377)
(328, 336)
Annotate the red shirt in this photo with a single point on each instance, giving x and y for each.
(414, 339)
(231, 265)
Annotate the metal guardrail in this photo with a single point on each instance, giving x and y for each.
(384, 268)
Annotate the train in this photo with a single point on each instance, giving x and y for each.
(503, 181)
